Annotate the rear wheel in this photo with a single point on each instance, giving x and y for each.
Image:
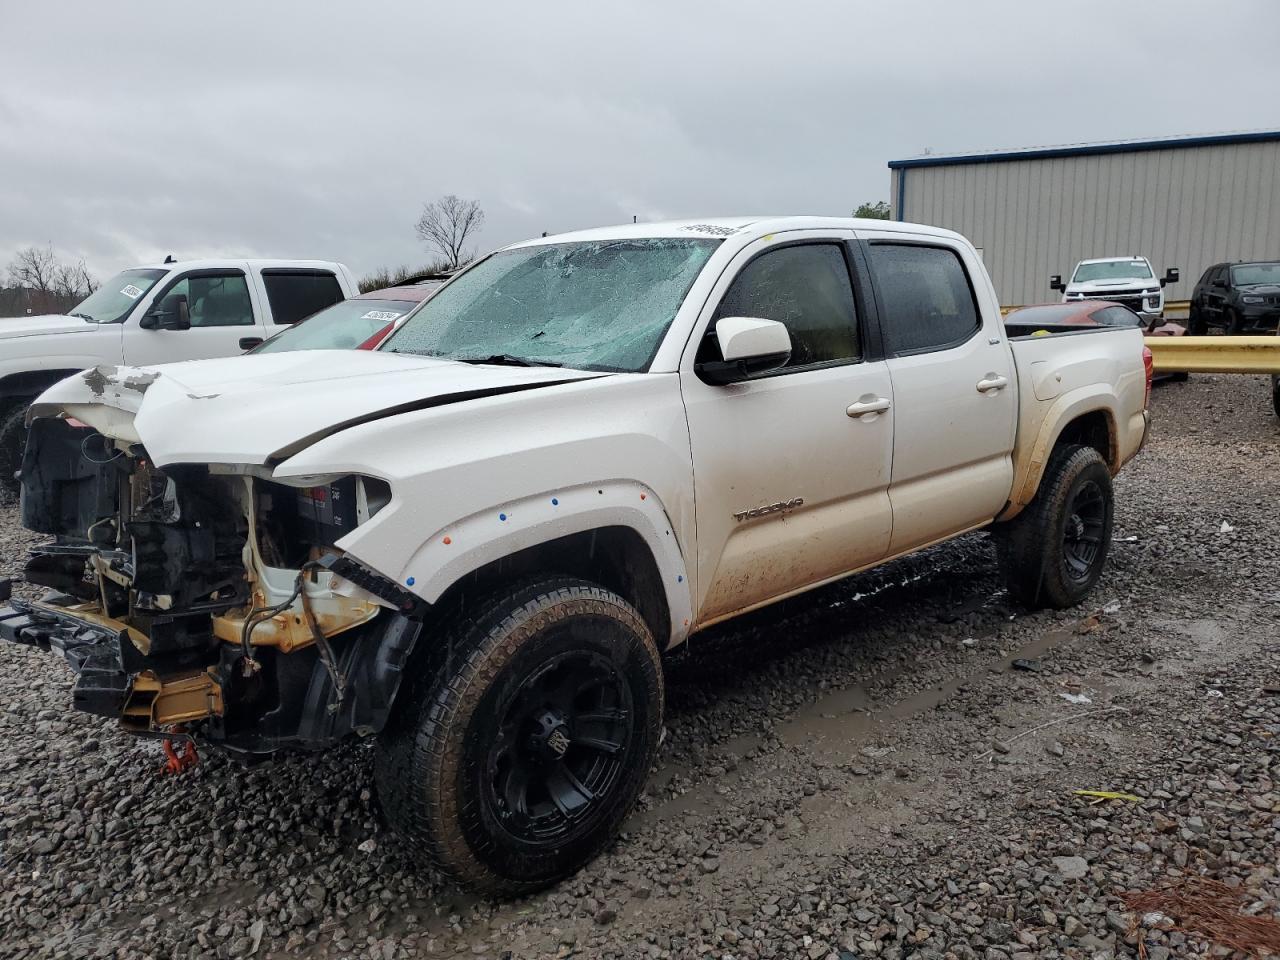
(517, 765)
(13, 438)
(1054, 551)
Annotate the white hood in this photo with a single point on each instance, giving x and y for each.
(262, 408)
(45, 325)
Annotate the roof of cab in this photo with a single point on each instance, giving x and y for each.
(719, 228)
(206, 263)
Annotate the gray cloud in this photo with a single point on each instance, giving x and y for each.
(293, 129)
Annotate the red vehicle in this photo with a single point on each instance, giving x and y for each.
(1097, 313)
(360, 323)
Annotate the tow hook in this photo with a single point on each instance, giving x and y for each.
(179, 752)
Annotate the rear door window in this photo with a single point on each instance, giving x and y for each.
(925, 297)
(297, 294)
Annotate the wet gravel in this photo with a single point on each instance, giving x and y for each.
(861, 772)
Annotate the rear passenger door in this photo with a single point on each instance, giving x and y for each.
(954, 387)
(294, 293)
(791, 469)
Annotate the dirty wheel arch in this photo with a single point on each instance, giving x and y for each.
(1053, 552)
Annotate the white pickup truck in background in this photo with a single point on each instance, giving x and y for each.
(171, 311)
(1128, 281)
(475, 542)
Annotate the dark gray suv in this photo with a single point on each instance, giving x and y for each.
(1240, 297)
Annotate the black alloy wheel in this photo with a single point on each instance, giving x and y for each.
(559, 747)
(1082, 533)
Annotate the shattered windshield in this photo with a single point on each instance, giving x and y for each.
(112, 301)
(590, 305)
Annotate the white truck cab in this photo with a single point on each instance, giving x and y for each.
(1129, 281)
(157, 313)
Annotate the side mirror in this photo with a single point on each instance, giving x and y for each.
(171, 313)
(748, 346)
(1170, 276)
(1219, 283)
(1055, 282)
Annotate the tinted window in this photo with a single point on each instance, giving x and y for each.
(1116, 317)
(925, 297)
(807, 288)
(215, 300)
(297, 294)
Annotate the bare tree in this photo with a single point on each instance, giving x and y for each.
(45, 283)
(36, 270)
(447, 224)
(76, 281)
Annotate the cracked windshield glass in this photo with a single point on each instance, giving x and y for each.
(590, 305)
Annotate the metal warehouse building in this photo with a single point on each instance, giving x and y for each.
(1185, 202)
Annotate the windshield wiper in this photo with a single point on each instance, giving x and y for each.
(507, 360)
(85, 316)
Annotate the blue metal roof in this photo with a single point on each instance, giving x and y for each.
(1089, 149)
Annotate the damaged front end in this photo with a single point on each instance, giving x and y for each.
(207, 599)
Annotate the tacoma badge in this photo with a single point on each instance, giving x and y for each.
(779, 507)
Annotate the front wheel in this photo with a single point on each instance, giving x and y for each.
(1235, 323)
(514, 764)
(1054, 551)
(1275, 394)
(1196, 326)
(13, 438)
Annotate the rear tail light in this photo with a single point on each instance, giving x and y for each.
(1148, 364)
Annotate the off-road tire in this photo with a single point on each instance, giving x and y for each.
(13, 438)
(429, 765)
(1032, 544)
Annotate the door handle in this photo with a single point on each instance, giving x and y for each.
(248, 343)
(863, 408)
(992, 384)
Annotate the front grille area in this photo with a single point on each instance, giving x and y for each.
(1126, 298)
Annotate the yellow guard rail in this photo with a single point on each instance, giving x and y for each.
(1215, 354)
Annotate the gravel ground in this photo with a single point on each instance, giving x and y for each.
(861, 772)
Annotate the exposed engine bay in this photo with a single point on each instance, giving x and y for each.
(212, 603)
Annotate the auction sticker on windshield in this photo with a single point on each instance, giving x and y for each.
(130, 291)
(385, 315)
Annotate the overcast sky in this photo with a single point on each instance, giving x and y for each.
(132, 130)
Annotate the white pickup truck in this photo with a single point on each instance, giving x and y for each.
(476, 542)
(1128, 281)
(157, 314)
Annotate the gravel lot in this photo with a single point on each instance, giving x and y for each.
(859, 772)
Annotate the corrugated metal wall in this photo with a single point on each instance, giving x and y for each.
(1183, 207)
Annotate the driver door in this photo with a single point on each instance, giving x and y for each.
(791, 468)
(223, 310)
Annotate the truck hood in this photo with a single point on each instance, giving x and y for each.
(1259, 289)
(46, 325)
(261, 409)
(1115, 284)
